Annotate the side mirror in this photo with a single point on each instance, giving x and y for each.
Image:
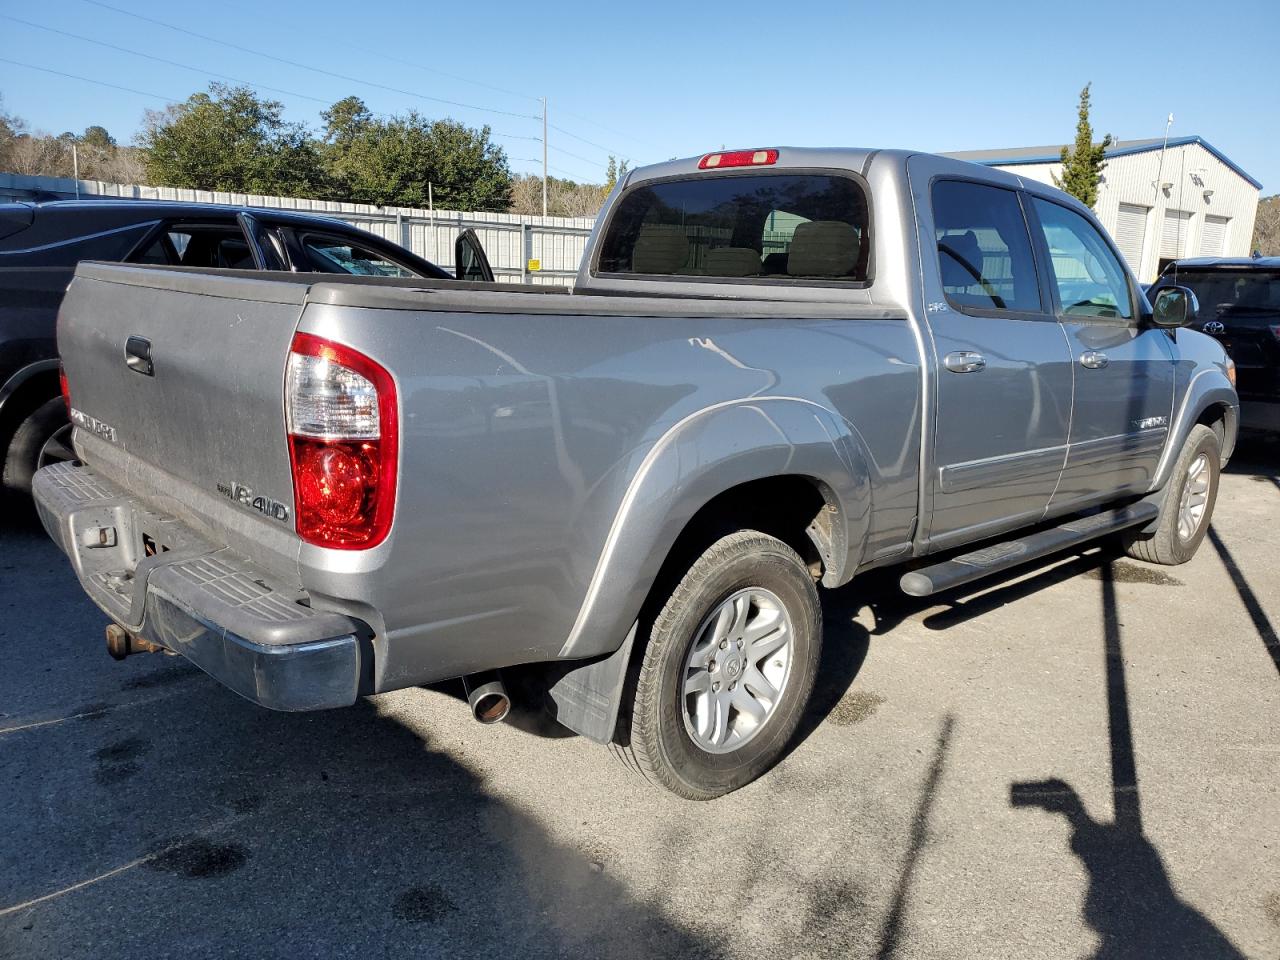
(1174, 307)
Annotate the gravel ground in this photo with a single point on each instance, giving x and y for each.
(1080, 761)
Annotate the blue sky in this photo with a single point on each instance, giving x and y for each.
(651, 81)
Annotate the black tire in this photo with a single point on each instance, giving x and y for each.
(653, 737)
(1167, 546)
(23, 454)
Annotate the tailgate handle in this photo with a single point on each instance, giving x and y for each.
(137, 356)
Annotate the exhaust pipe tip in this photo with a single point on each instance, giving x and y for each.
(487, 697)
(491, 707)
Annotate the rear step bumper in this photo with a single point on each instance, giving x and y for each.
(1003, 556)
(160, 581)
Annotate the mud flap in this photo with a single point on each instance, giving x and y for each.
(585, 697)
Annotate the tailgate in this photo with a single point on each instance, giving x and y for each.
(194, 422)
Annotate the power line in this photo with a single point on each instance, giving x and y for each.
(418, 66)
(568, 173)
(596, 123)
(168, 99)
(304, 66)
(590, 143)
(211, 73)
(574, 155)
(314, 69)
(451, 76)
(172, 63)
(101, 83)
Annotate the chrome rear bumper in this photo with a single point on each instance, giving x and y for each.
(161, 581)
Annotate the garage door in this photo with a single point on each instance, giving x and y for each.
(1213, 241)
(1131, 231)
(1173, 234)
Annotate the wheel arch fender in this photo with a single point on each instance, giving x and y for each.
(706, 454)
(25, 377)
(1209, 391)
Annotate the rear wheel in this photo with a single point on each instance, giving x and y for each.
(728, 669)
(42, 437)
(1188, 503)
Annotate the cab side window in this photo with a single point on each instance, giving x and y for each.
(984, 249)
(1090, 280)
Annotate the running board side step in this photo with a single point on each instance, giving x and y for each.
(1002, 556)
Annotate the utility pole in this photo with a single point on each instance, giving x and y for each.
(544, 156)
(1156, 188)
(1160, 167)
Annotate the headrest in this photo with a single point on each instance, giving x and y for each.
(733, 262)
(660, 248)
(824, 248)
(957, 249)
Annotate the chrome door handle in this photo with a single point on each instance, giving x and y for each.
(1093, 360)
(964, 361)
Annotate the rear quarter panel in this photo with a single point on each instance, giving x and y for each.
(524, 439)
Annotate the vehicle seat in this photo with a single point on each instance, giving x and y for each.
(824, 248)
(954, 251)
(660, 248)
(733, 262)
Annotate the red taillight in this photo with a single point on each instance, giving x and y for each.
(343, 444)
(1275, 330)
(62, 385)
(738, 158)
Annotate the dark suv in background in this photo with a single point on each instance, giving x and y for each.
(41, 243)
(1240, 306)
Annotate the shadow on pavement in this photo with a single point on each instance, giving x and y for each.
(879, 589)
(845, 644)
(1131, 902)
(285, 835)
(1257, 455)
(1259, 617)
(891, 929)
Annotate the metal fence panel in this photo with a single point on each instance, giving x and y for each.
(509, 240)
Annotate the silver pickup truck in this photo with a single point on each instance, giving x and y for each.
(779, 368)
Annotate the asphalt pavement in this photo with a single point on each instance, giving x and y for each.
(1081, 760)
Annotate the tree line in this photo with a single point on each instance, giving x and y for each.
(46, 155)
(230, 139)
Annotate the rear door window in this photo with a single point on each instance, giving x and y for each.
(762, 227)
(199, 245)
(984, 249)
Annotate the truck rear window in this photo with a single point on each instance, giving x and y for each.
(771, 226)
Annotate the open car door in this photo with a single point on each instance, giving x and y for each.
(469, 260)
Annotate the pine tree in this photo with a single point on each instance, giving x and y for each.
(1082, 166)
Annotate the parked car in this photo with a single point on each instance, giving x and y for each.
(40, 244)
(779, 368)
(1240, 308)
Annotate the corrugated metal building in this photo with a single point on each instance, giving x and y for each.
(1186, 200)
